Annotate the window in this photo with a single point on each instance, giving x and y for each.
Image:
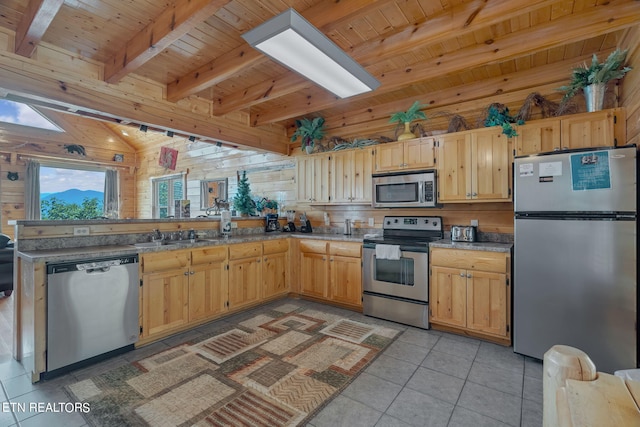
(165, 191)
(68, 193)
(22, 114)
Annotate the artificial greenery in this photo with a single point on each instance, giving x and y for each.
(263, 203)
(309, 131)
(498, 115)
(242, 202)
(356, 143)
(597, 72)
(413, 113)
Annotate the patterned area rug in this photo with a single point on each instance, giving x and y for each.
(277, 368)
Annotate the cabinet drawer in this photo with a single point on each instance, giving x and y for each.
(207, 255)
(345, 249)
(467, 259)
(275, 246)
(245, 250)
(163, 261)
(313, 246)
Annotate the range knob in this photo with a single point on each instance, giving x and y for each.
(395, 220)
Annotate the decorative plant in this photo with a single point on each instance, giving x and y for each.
(309, 131)
(498, 115)
(243, 202)
(413, 113)
(612, 68)
(406, 117)
(263, 203)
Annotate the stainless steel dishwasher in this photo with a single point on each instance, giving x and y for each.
(92, 309)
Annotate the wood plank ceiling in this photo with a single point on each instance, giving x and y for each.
(446, 53)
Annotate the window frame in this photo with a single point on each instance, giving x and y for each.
(155, 196)
(52, 164)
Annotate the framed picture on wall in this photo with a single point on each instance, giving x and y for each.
(168, 158)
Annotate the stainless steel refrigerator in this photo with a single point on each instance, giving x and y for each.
(575, 255)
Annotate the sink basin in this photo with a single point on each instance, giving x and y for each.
(153, 244)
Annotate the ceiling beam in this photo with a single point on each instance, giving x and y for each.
(326, 14)
(174, 22)
(529, 80)
(461, 20)
(34, 23)
(42, 83)
(599, 20)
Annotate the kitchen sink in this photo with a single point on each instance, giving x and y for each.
(153, 244)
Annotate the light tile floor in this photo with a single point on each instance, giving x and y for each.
(425, 378)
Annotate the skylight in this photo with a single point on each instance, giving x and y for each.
(24, 115)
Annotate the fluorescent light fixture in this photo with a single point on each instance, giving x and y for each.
(292, 41)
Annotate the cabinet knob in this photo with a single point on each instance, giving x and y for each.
(192, 272)
(468, 194)
(265, 260)
(461, 274)
(186, 273)
(474, 194)
(469, 276)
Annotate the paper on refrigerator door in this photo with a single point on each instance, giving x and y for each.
(526, 169)
(550, 169)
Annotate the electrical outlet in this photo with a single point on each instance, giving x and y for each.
(371, 222)
(80, 231)
(474, 222)
(234, 224)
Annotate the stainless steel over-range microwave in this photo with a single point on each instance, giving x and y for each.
(404, 189)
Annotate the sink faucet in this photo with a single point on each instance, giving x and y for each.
(157, 235)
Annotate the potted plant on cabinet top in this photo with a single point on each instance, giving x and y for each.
(406, 117)
(309, 131)
(593, 79)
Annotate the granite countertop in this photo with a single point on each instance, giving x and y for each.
(475, 246)
(81, 253)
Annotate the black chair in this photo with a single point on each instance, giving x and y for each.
(6, 265)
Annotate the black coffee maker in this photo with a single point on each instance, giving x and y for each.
(271, 222)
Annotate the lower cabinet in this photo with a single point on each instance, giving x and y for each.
(165, 291)
(189, 286)
(331, 271)
(470, 292)
(244, 274)
(208, 283)
(274, 268)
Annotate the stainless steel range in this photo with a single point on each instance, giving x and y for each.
(395, 276)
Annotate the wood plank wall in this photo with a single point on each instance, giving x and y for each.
(630, 86)
(273, 176)
(18, 144)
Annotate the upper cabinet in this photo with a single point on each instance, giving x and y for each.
(474, 166)
(351, 176)
(604, 128)
(410, 154)
(312, 174)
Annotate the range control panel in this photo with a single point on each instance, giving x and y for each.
(422, 223)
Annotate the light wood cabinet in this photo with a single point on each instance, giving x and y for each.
(470, 292)
(312, 174)
(274, 268)
(208, 282)
(165, 291)
(351, 176)
(345, 270)
(182, 287)
(314, 274)
(604, 128)
(410, 154)
(245, 274)
(539, 136)
(474, 166)
(331, 271)
(596, 129)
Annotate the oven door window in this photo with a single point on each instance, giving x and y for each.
(397, 193)
(397, 272)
